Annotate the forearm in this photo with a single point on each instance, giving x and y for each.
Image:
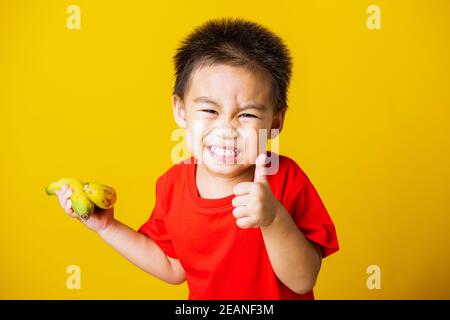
(294, 259)
(139, 250)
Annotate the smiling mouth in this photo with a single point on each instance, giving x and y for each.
(224, 154)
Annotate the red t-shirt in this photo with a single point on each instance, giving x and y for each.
(221, 260)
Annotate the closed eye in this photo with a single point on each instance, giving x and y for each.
(247, 115)
(211, 111)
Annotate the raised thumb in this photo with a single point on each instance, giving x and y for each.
(260, 169)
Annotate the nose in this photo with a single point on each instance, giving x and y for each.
(226, 129)
(226, 133)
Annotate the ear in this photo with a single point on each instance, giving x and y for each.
(278, 121)
(179, 113)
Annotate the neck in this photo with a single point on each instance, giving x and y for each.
(211, 185)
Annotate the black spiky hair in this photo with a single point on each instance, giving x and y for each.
(235, 42)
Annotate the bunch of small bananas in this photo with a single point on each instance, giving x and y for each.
(85, 196)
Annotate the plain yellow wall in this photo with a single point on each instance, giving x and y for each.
(368, 122)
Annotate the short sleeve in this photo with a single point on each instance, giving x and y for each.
(155, 227)
(310, 214)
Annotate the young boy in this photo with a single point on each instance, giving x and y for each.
(222, 221)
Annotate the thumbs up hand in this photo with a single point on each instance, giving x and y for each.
(254, 203)
(260, 169)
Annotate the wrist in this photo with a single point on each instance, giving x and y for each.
(278, 212)
(108, 229)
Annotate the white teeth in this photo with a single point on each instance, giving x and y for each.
(222, 151)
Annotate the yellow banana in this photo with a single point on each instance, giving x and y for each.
(101, 195)
(73, 184)
(80, 202)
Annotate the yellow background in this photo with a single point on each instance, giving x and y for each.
(368, 122)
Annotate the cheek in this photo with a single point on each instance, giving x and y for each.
(195, 132)
(253, 141)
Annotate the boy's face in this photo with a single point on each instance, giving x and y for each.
(223, 110)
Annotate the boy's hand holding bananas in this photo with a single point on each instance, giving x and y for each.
(79, 198)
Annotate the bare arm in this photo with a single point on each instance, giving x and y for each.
(134, 246)
(295, 260)
(143, 252)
